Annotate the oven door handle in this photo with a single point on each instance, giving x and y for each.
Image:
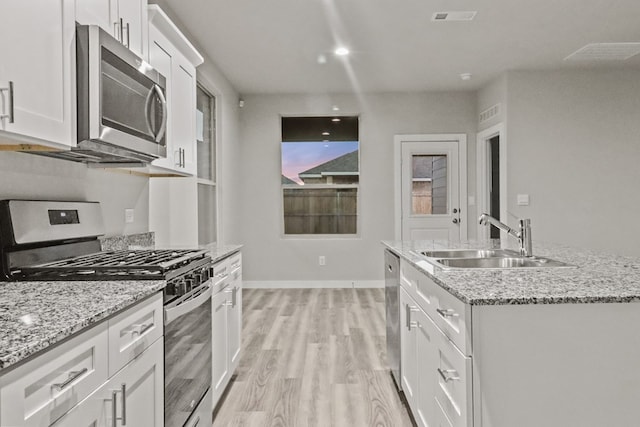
(171, 314)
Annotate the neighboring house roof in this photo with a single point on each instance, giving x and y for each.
(287, 181)
(347, 164)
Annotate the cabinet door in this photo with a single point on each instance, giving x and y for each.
(235, 313)
(219, 329)
(427, 336)
(38, 51)
(99, 12)
(161, 58)
(136, 391)
(408, 362)
(183, 106)
(133, 14)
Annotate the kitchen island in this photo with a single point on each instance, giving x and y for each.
(520, 347)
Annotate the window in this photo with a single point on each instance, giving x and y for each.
(206, 143)
(320, 175)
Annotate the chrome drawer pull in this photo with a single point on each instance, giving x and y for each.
(140, 329)
(409, 310)
(9, 90)
(73, 375)
(449, 312)
(448, 374)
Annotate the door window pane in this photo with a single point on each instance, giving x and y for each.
(429, 184)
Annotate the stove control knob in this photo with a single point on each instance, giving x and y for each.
(189, 285)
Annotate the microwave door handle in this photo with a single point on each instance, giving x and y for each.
(163, 100)
(163, 126)
(147, 110)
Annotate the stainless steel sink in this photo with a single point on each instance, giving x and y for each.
(500, 263)
(470, 253)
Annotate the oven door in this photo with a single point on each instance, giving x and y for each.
(187, 355)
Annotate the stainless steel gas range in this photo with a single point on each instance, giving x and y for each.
(54, 240)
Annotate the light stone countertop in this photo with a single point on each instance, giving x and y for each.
(36, 315)
(599, 277)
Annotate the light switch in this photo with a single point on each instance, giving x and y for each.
(523, 200)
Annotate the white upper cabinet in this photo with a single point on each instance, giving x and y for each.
(176, 59)
(126, 20)
(37, 69)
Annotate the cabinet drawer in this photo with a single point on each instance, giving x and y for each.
(440, 417)
(452, 316)
(133, 330)
(42, 390)
(221, 270)
(453, 389)
(419, 287)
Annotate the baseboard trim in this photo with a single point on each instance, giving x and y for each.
(311, 284)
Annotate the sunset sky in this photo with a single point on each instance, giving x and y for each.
(300, 156)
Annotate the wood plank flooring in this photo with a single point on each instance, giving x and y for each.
(313, 357)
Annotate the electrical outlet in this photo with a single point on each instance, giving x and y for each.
(128, 216)
(322, 260)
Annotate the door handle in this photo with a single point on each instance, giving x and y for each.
(9, 90)
(163, 101)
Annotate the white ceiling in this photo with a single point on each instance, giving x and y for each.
(272, 46)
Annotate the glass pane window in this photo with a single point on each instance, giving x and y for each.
(320, 174)
(205, 134)
(429, 185)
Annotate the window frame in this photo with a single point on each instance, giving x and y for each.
(357, 187)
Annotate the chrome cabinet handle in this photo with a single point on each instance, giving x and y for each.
(140, 329)
(114, 402)
(116, 32)
(128, 37)
(197, 421)
(409, 310)
(73, 375)
(121, 30)
(448, 375)
(9, 90)
(449, 312)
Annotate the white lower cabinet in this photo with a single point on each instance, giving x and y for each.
(134, 395)
(226, 323)
(436, 375)
(71, 385)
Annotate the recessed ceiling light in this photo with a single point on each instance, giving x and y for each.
(322, 59)
(341, 51)
(335, 108)
(465, 76)
(335, 119)
(326, 133)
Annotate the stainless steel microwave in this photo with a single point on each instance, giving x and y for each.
(121, 104)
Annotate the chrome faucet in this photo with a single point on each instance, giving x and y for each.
(523, 234)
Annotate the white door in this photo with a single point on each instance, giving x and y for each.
(430, 188)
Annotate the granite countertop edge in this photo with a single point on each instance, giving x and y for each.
(20, 341)
(598, 276)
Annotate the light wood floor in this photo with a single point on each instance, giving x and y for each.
(313, 357)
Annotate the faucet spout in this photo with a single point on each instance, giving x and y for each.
(523, 234)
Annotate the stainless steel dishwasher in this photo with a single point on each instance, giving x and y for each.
(392, 311)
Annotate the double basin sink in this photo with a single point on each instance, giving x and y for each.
(488, 259)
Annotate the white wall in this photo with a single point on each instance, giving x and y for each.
(574, 146)
(27, 176)
(268, 256)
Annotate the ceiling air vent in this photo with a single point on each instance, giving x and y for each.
(605, 52)
(490, 113)
(453, 16)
